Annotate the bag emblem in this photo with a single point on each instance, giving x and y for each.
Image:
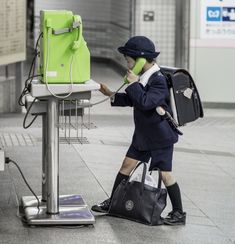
(129, 205)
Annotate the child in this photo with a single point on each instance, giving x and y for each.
(153, 137)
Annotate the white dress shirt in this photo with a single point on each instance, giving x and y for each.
(147, 74)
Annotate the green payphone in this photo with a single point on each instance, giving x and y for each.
(64, 55)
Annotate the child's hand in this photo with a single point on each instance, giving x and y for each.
(105, 90)
(131, 77)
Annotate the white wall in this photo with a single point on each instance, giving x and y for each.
(162, 30)
(12, 31)
(121, 26)
(211, 62)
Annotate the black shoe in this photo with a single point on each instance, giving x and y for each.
(102, 207)
(175, 218)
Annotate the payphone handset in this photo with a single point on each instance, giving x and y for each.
(139, 64)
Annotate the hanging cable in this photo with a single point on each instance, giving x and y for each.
(30, 74)
(103, 100)
(26, 90)
(27, 113)
(113, 94)
(8, 160)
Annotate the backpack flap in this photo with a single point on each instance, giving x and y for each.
(184, 97)
(187, 99)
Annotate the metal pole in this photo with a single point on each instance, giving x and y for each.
(53, 157)
(179, 51)
(132, 17)
(6, 72)
(18, 84)
(44, 157)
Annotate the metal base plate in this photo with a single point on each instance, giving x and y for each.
(72, 211)
(67, 216)
(64, 200)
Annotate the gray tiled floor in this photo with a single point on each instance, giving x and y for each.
(204, 166)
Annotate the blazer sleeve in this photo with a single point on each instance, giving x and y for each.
(122, 100)
(150, 99)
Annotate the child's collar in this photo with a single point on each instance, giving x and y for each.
(146, 75)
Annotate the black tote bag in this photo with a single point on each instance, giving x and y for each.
(139, 202)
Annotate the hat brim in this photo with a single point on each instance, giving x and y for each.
(136, 53)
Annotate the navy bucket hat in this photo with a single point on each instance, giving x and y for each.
(139, 46)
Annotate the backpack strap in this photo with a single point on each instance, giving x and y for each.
(167, 77)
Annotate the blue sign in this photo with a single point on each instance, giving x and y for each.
(228, 14)
(213, 14)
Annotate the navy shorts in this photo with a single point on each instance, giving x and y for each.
(160, 158)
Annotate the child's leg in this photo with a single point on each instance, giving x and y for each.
(176, 216)
(127, 166)
(173, 191)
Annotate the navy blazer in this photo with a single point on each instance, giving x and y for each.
(151, 130)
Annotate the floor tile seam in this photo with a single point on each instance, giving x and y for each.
(194, 204)
(178, 149)
(126, 144)
(202, 151)
(215, 225)
(4, 140)
(89, 169)
(211, 152)
(205, 225)
(204, 155)
(219, 167)
(18, 139)
(197, 216)
(18, 146)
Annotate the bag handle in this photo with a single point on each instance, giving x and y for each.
(143, 175)
(159, 185)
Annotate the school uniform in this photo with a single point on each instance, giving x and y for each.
(153, 137)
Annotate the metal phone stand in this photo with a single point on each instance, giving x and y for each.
(55, 209)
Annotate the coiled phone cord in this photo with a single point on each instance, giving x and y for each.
(104, 100)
